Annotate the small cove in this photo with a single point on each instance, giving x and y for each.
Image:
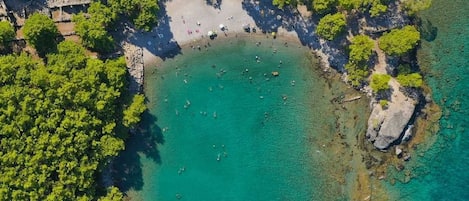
(220, 126)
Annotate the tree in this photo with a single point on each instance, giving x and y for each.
(142, 12)
(399, 41)
(379, 82)
(113, 194)
(410, 80)
(102, 14)
(361, 48)
(133, 112)
(41, 32)
(330, 26)
(356, 73)
(93, 33)
(324, 6)
(7, 34)
(377, 8)
(414, 6)
(60, 122)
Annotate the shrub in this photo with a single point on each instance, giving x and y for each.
(361, 48)
(399, 41)
(379, 82)
(330, 26)
(410, 80)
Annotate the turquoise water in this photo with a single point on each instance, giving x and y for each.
(442, 173)
(221, 127)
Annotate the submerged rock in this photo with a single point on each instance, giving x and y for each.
(386, 126)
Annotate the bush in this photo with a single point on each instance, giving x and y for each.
(356, 73)
(383, 103)
(379, 82)
(410, 80)
(361, 48)
(399, 41)
(330, 26)
(323, 6)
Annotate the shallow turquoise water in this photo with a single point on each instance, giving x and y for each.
(442, 171)
(222, 127)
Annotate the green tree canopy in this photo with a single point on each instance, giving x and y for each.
(361, 48)
(377, 8)
(60, 123)
(113, 194)
(93, 33)
(330, 26)
(142, 12)
(92, 30)
(356, 73)
(132, 113)
(399, 41)
(324, 6)
(7, 34)
(410, 80)
(41, 32)
(379, 82)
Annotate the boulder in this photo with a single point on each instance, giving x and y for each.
(386, 126)
(398, 151)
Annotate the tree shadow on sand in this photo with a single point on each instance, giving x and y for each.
(160, 40)
(269, 19)
(214, 3)
(127, 171)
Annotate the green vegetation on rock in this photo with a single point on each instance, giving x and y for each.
(7, 34)
(361, 48)
(384, 103)
(323, 6)
(379, 82)
(410, 80)
(399, 41)
(281, 3)
(414, 6)
(330, 26)
(60, 124)
(41, 32)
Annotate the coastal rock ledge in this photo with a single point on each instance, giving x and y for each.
(386, 126)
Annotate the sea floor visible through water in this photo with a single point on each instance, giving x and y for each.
(221, 126)
(439, 167)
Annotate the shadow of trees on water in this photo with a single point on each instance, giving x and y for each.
(127, 167)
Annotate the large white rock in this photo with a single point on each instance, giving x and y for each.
(386, 126)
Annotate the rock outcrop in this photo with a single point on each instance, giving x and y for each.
(386, 126)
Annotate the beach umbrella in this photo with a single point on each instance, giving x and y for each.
(222, 26)
(210, 33)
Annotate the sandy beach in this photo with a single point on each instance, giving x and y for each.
(184, 22)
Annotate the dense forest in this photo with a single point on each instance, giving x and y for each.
(60, 123)
(63, 114)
